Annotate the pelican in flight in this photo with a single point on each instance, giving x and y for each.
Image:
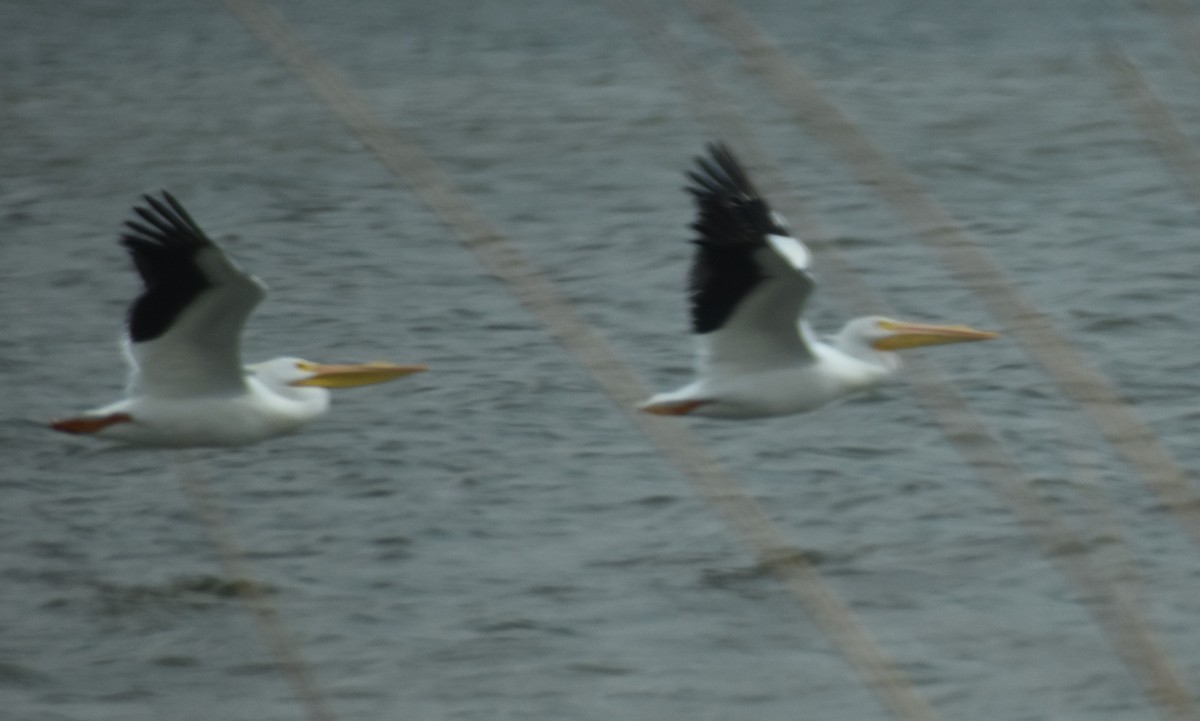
(187, 385)
(749, 281)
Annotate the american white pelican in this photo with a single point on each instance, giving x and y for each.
(749, 281)
(187, 386)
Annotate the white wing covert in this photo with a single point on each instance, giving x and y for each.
(184, 330)
(749, 278)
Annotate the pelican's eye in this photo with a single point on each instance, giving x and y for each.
(887, 325)
(306, 366)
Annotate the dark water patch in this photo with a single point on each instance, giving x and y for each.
(561, 593)
(175, 661)
(659, 500)
(1108, 322)
(190, 592)
(754, 582)
(135, 693)
(252, 669)
(519, 626)
(600, 669)
(394, 544)
(281, 493)
(375, 492)
(13, 674)
(766, 567)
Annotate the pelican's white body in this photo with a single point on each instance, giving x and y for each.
(785, 384)
(264, 408)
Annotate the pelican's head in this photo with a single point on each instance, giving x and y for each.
(885, 334)
(296, 372)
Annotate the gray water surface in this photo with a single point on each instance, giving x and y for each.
(493, 539)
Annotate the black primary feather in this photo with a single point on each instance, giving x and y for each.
(733, 223)
(164, 249)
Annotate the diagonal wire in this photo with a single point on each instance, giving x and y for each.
(282, 645)
(1152, 114)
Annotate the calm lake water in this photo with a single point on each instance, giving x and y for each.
(494, 539)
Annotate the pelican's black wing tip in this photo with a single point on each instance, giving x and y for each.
(721, 172)
(163, 221)
(730, 208)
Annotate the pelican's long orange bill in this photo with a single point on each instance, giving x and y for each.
(350, 375)
(915, 335)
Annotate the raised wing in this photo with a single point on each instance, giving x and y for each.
(184, 330)
(749, 278)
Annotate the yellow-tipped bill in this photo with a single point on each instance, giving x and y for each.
(349, 376)
(915, 335)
